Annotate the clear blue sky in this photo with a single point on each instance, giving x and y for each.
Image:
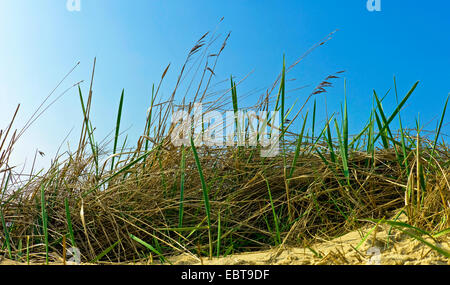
(135, 40)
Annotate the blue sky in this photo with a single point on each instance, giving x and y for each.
(135, 40)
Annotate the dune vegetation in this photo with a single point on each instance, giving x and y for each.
(153, 201)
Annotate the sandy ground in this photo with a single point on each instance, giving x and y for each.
(402, 250)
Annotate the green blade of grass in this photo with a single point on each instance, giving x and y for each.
(391, 227)
(398, 224)
(182, 169)
(149, 119)
(397, 109)
(322, 157)
(89, 130)
(205, 193)
(105, 252)
(298, 147)
(202, 180)
(386, 126)
(356, 138)
(330, 145)
(313, 121)
(436, 248)
(442, 233)
(219, 235)
(439, 128)
(28, 250)
(318, 255)
(402, 132)
(116, 137)
(69, 222)
(283, 95)
(322, 133)
(122, 170)
(235, 107)
(275, 217)
(345, 123)
(234, 96)
(149, 247)
(382, 132)
(402, 226)
(366, 236)
(6, 231)
(342, 152)
(44, 222)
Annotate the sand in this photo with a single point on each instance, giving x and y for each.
(402, 250)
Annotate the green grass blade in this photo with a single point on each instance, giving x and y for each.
(439, 128)
(366, 236)
(298, 147)
(342, 151)
(116, 137)
(234, 96)
(44, 222)
(235, 105)
(202, 180)
(28, 250)
(205, 193)
(442, 233)
(105, 252)
(351, 145)
(182, 168)
(219, 235)
(283, 97)
(382, 132)
(313, 121)
(330, 145)
(149, 247)
(122, 170)
(275, 217)
(69, 222)
(386, 126)
(397, 109)
(149, 119)
(7, 237)
(345, 123)
(89, 129)
(402, 226)
(402, 132)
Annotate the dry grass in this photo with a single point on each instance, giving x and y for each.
(130, 210)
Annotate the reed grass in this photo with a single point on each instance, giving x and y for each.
(125, 204)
